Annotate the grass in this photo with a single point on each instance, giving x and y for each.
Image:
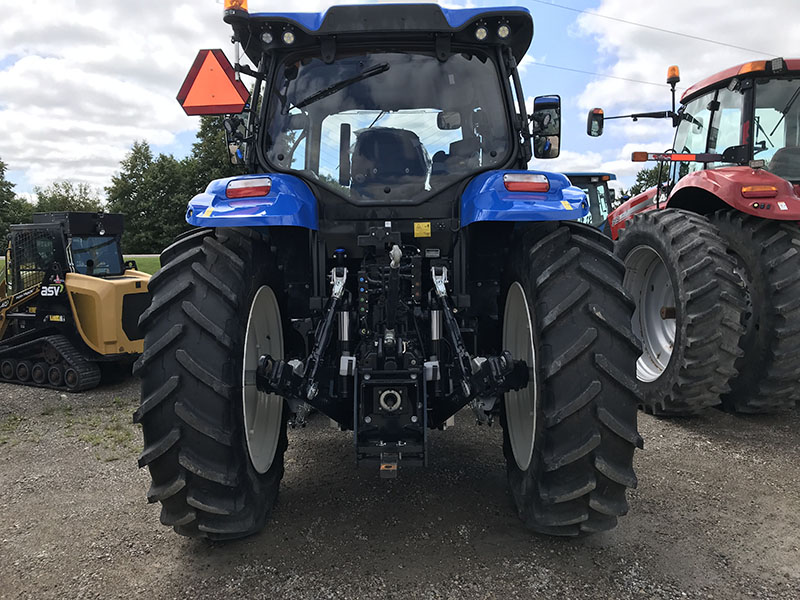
(109, 431)
(8, 427)
(148, 264)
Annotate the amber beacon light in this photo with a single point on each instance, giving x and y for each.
(236, 5)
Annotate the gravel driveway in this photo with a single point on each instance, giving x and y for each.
(716, 515)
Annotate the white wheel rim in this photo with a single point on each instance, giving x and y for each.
(521, 405)
(262, 412)
(648, 281)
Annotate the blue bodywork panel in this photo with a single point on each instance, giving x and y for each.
(487, 199)
(456, 17)
(289, 202)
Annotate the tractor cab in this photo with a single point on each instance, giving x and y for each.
(746, 113)
(737, 143)
(92, 241)
(86, 243)
(601, 197)
(366, 112)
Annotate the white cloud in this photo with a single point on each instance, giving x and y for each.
(639, 53)
(84, 79)
(643, 54)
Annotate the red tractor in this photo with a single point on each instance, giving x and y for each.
(712, 254)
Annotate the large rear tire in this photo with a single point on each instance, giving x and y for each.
(689, 301)
(767, 254)
(569, 437)
(196, 389)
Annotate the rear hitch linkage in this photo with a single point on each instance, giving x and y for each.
(481, 377)
(295, 380)
(478, 377)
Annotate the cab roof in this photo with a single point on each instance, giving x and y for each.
(758, 68)
(608, 176)
(383, 23)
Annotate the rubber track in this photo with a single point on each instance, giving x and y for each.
(191, 379)
(700, 370)
(769, 371)
(583, 457)
(88, 371)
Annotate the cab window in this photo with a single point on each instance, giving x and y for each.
(726, 124)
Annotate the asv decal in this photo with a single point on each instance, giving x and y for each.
(52, 290)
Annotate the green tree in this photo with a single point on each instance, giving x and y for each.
(66, 196)
(6, 187)
(126, 195)
(19, 210)
(647, 178)
(7, 196)
(153, 194)
(210, 159)
(13, 209)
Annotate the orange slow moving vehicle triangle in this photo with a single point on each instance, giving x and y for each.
(211, 87)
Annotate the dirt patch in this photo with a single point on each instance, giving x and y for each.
(716, 515)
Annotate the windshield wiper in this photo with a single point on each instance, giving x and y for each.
(380, 114)
(786, 110)
(367, 73)
(761, 129)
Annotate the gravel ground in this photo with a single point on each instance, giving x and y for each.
(716, 515)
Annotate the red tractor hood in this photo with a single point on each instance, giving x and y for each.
(745, 189)
(742, 188)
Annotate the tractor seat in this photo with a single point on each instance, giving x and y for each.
(387, 158)
(463, 158)
(785, 163)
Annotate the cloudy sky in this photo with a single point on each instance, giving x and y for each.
(81, 80)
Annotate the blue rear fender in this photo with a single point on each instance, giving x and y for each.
(289, 202)
(487, 199)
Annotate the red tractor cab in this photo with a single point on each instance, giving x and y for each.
(712, 254)
(737, 145)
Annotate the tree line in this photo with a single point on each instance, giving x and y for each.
(151, 191)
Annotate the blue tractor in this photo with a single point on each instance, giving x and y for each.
(388, 261)
(601, 197)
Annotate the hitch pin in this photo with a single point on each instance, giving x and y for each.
(439, 281)
(338, 281)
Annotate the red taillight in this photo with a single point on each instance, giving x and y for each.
(526, 182)
(248, 188)
(759, 191)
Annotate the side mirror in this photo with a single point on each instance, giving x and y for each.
(234, 136)
(448, 120)
(594, 123)
(546, 126)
